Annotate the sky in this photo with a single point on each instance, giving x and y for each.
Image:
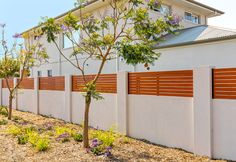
(20, 15)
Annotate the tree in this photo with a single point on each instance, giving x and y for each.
(17, 59)
(125, 30)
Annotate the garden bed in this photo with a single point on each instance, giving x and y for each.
(123, 148)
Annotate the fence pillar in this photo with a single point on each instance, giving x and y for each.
(202, 105)
(122, 99)
(36, 96)
(15, 101)
(68, 89)
(1, 92)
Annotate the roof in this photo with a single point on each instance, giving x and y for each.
(205, 6)
(196, 35)
(89, 2)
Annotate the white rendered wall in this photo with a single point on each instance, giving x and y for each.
(5, 96)
(162, 120)
(224, 129)
(102, 113)
(26, 100)
(52, 103)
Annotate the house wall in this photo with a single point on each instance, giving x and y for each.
(60, 66)
(218, 54)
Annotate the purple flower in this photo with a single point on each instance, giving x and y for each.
(17, 35)
(174, 20)
(108, 151)
(64, 27)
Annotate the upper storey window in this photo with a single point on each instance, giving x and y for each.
(68, 42)
(192, 17)
(163, 9)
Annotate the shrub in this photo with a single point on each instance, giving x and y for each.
(4, 111)
(62, 130)
(3, 122)
(14, 130)
(22, 139)
(106, 137)
(65, 137)
(38, 142)
(78, 137)
(42, 144)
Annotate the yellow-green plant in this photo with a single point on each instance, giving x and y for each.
(62, 130)
(14, 130)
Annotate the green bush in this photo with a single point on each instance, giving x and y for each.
(42, 144)
(63, 130)
(23, 139)
(78, 137)
(106, 137)
(14, 130)
(38, 142)
(4, 111)
(3, 122)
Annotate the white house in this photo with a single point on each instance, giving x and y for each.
(196, 44)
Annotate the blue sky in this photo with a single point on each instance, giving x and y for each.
(20, 15)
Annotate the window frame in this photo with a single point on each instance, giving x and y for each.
(49, 73)
(160, 10)
(193, 17)
(39, 73)
(64, 37)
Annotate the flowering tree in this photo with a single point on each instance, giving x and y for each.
(124, 30)
(17, 60)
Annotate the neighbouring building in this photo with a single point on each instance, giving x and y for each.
(197, 44)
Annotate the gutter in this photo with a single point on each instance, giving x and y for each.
(205, 6)
(197, 42)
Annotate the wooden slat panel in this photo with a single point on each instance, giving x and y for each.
(107, 83)
(10, 82)
(27, 83)
(52, 83)
(224, 83)
(166, 83)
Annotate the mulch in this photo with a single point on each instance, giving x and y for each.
(123, 150)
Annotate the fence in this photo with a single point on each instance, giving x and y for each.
(189, 109)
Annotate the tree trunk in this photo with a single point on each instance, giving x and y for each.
(10, 107)
(86, 120)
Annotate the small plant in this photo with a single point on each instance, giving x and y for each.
(78, 137)
(65, 137)
(3, 122)
(4, 111)
(22, 139)
(96, 147)
(107, 137)
(62, 130)
(38, 142)
(14, 130)
(42, 144)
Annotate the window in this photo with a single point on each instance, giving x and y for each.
(49, 73)
(39, 73)
(67, 43)
(192, 17)
(164, 9)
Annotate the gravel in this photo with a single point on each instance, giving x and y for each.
(125, 149)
